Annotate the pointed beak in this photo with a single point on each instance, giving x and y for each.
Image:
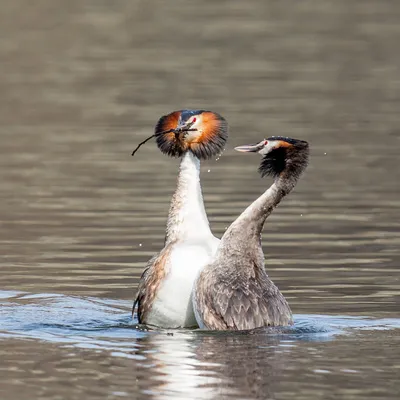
(180, 125)
(250, 148)
(181, 128)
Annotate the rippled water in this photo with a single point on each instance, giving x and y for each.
(191, 364)
(84, 81)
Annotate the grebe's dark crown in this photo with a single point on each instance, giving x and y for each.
(289, 140)
(186, 114)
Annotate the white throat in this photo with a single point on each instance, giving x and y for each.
(187, 218)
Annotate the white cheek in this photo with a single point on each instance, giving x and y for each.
(272, 144)
(191, 135)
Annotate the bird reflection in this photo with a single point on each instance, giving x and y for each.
(200, 365)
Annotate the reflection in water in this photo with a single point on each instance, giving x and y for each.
(176, 369)
(251, 364)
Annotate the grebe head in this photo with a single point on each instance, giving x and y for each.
(202, 132)
(280, 154)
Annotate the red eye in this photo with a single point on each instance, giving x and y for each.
(194, 120)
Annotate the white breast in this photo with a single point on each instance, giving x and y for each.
(172, 306)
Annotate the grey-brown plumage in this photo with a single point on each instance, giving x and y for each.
(142, 299)
(234, 291)
(229, 298)
(150, 281)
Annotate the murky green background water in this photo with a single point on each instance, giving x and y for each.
(82, 82)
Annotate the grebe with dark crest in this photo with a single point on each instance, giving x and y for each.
(164, 297)
(234, 292)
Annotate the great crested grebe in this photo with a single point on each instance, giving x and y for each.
(164, 297)
(234, 290)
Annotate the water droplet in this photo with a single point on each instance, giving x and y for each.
(301, 215)
(209, 170)
(140, 244)
(324, 154)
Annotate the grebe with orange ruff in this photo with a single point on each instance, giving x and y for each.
(164, 296)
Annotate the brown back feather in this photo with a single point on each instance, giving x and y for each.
(150, 281)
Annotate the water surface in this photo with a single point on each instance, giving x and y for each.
(84, 81)
(191, 364)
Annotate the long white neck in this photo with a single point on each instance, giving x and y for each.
(187, 217)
